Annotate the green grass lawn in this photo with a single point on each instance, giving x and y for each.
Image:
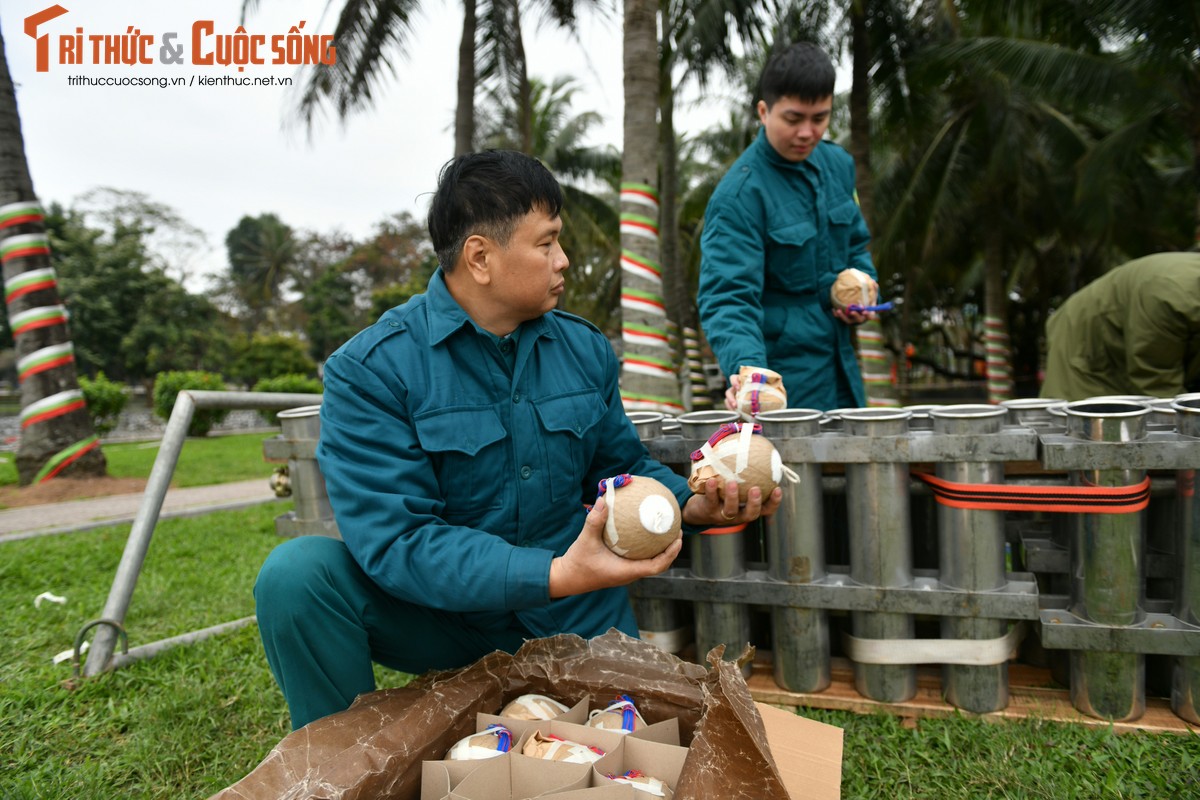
(210, 459)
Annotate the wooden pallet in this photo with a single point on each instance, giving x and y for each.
(1030, 696)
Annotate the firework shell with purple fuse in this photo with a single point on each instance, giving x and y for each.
(620, 716)
(495, 741)
(853, 287)
(643, 516)
(760, 389)
(739, 452)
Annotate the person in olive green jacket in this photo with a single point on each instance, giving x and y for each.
(1135, 330)
(780, 227)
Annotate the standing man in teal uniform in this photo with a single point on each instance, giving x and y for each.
(461, 435)
(780, 227)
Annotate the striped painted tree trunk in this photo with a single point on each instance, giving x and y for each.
(997, 353)
(876, 363)
(694, 364)
(57, 437)
(649, 378)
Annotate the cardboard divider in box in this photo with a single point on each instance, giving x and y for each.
(605, 741)
(610, 792)
(658, 759)
(511, 777)
(481, 779)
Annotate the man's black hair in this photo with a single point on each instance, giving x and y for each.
(487, 193)
(801, 70)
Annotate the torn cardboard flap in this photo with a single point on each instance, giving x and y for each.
(375, 749)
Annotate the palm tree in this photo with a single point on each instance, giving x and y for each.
(371, 33)
(986, 156)
(262, 253)
(57, 437)
(589, 177)
(699, 37)
(648, 374)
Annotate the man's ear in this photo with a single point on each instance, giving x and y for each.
(475, 258)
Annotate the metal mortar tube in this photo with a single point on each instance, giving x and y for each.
(796, 554)
(717, 556)
(1107, 553)
(1030, 411)
(880, 549)
(971, 558)
(659, 621)
(1185, 681)
(1161, 516)
(308, 484)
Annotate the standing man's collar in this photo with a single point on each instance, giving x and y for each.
(777, 160)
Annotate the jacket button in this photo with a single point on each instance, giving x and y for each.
(516, 397)
(526, 472)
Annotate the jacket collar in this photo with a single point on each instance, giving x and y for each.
(445, 316)
(772, 155)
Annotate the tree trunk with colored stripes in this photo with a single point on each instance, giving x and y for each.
(57, 437)
(649, 377)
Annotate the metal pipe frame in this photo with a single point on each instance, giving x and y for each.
(1107, 567)
(716, 556)
(1185, 677)
(971, 558)
(796, 555)
(100, 656)
(880, 548)
(660, 621)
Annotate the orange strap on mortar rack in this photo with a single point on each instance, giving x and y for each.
(1070, 499)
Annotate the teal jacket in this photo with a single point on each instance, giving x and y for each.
(776, 235)
(1134, 330)
(455, 480)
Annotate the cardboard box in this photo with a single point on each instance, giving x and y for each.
(808, 753)
(736, 749)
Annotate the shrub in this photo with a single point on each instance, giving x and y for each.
(270, 356)
(167, 387)
(293, 383)
(105, 401)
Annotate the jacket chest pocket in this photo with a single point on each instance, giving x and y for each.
(842, 219)
(792, 258)
(463, 444)
(566, 421)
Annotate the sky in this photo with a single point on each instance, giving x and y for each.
(214, 153)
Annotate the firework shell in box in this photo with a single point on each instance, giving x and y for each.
(494, 741)
(739, 452)
(759, 389)
(533, 707)
(621, 716)
(853, 287)
(643, 516)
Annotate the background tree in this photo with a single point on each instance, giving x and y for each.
(372, 34)
(57, 437)
(648, 370)
(588, 176)
(262, 254)
(130, 317)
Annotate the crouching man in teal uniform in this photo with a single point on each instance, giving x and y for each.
(780, 227)
(461, 435)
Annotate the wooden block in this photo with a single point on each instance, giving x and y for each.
(1032, 694)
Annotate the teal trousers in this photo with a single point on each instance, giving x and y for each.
(323, 623)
